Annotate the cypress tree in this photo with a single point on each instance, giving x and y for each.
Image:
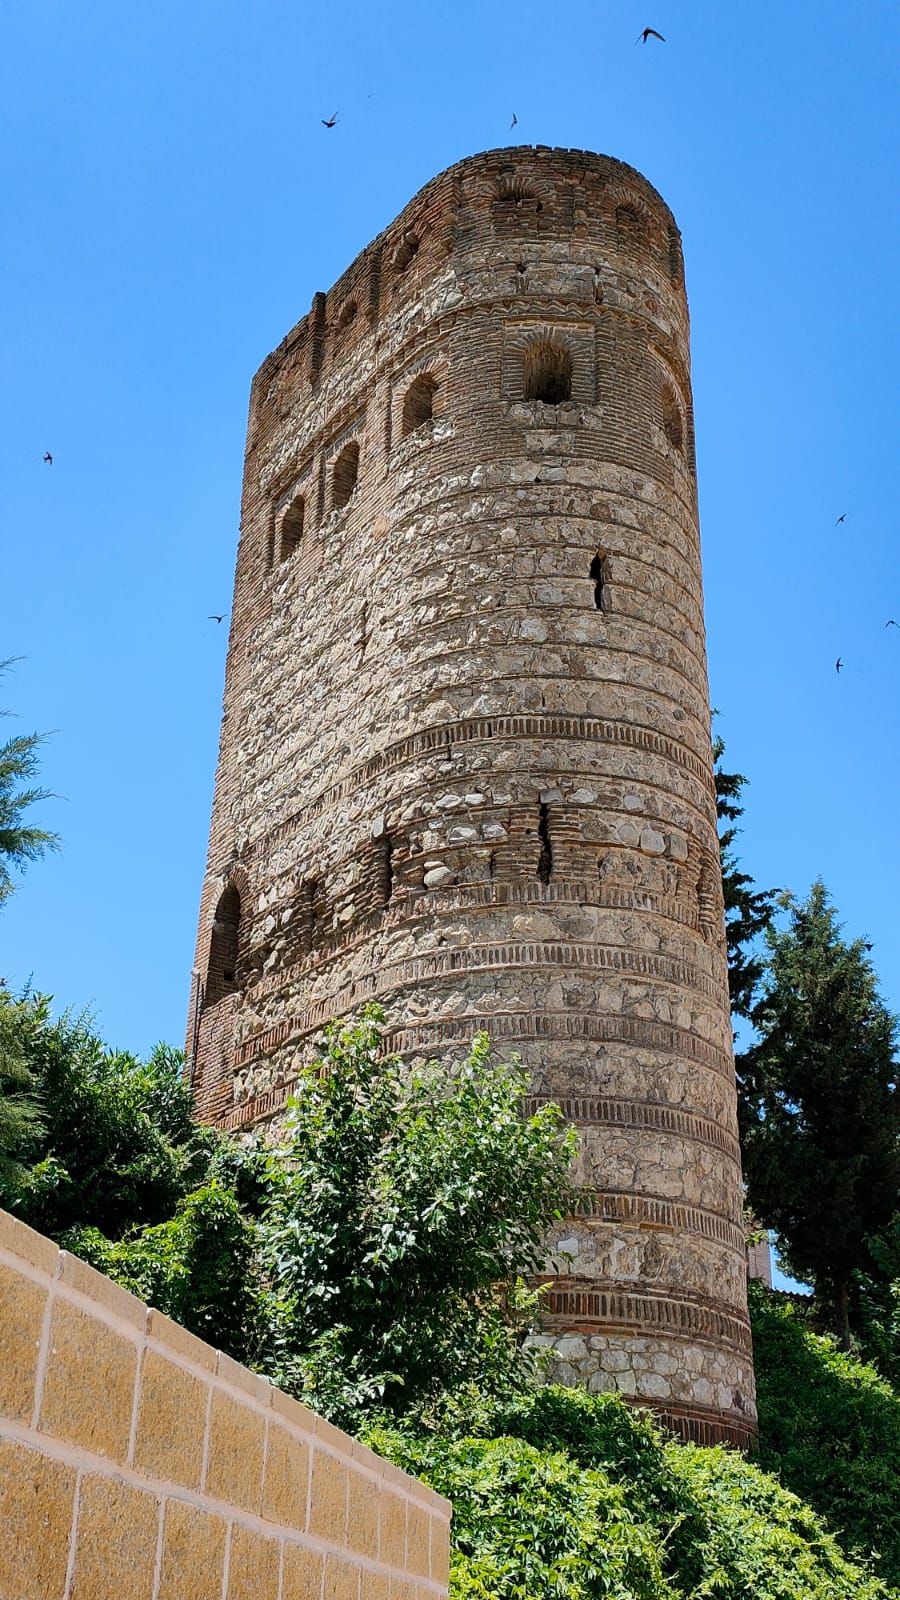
(821, 1104)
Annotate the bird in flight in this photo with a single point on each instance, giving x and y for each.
(891, 623)
(841, 518)
(329, 122)
(649, 33)
(514, 121)
(838, 664)
(48, 458)
(212, 618)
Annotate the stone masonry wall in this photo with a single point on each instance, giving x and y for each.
(139, 1463)
(465, 760)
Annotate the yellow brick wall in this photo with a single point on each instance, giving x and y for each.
(137, 1463)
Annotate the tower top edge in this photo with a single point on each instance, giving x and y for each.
(435, 200)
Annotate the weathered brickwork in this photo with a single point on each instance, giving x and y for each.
(465, 760)
(139, 1463)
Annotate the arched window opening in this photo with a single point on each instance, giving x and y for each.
(347, 315)
(346, 472)
(292, 528)
(407, 251)
(418, 404)
(513, 191)
(630, 227)
(598, 575)
(221, 972)
(548, 372)
(673, 427)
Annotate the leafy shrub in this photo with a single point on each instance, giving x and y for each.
(114, 1146)
(199, 1268)
(830, 1428)
(581, 1497)
(404, 1203)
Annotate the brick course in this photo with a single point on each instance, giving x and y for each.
(465, 760)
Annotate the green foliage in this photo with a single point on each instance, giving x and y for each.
(748, 910)
(115, 1145)
(821, 1103)
(405, 1203)
(532, 1522)
(199, 1268)
(20, 841)
(21, 1123)
(875, 1297)
(572, 1496)
(830, 1428)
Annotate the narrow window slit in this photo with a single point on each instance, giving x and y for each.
(387, 869)
(545, 858)
(598, 574)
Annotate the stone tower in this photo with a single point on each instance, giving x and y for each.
(465, 759)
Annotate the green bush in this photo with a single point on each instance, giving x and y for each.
(199, 1268)
(830, 1428)
(404, 1203)
(579, 1497)
(114, 1145)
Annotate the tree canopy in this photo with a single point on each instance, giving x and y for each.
(20, 840)
(820, 1102)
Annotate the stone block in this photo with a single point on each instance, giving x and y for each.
(22, 1305)
(171, 1424)
(341, 1579)
(235, 1452)
(101, 1291)
(364, 1495)
(193, 1554)
(439, 1558)
(253, 1565)
(19, 1240)
(88, 1383)
(115, 1553)
(286, 1478)
(302, 1578)
(328, 1498)
(418, 1541)
(37, 1502)
(374, 1586)
(392, 1549)
(180, 1342)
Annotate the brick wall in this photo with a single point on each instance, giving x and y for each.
(138, 1462)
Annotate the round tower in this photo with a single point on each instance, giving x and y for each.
(465, 761)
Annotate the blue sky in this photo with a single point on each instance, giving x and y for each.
(171, 204)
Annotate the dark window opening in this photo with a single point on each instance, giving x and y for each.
(386, 869)
(676, 259)
(221, 975)
(598, 574)
(418, 404)
(344, 477)
(545, 857)
(514, 192)
(347, 315)
(673, 426)
(292, 528)
(548, 372)
(407, 251)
